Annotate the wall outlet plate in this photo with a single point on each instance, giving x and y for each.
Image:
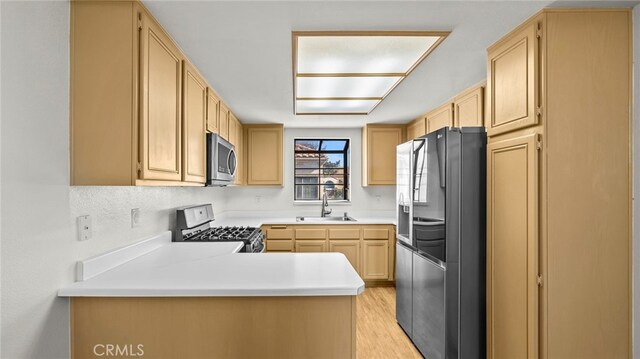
(135, 217)
(84, 228)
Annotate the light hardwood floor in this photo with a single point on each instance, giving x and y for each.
(377, 332)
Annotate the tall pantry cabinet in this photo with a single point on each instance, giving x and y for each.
(558, 187)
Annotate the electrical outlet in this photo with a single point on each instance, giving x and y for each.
(135, 217)
(258, 199)
(84, 228)
(378, 198)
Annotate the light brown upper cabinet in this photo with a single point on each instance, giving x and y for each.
(236, 139)
(213, 111)
(379, 154)
(126, 123)
(223, 121)
(240, 155)
(469, 108)
(416, 128)
(440, 117)
(513, 81)
(194, 123)
(558, 187)
(232, 130)
(161, 119)
(264, 154)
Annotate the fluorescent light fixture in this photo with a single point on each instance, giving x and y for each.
(336, 106)
(332, 87)
(361, 54)
(338, 72)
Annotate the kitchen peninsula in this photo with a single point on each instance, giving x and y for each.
(206, 300)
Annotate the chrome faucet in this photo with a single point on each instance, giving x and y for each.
(325, 204)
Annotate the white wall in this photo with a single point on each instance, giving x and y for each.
(39, 241)
(363, 199)
(636, 181)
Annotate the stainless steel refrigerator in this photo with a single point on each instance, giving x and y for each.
(440, 254)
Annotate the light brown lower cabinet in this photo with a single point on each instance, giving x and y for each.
(311, 245)
(350, 248)
(375, 259)
(208, 327)
(369, 248)
(279, 245)
(512, 255)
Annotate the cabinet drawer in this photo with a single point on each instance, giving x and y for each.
(279, 245)
(280, 233)
(376, 233)
(311, 246)
(344, 233)
(311, 233)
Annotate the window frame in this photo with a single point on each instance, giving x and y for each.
(346, 152)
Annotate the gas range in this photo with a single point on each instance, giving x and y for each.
(224, 234)
(193, 224)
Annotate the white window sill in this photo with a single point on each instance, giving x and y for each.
(319, 203)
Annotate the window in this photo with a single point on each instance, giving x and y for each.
(321, 166)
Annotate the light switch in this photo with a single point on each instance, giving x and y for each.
(84, 228)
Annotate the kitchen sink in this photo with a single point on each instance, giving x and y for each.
(325, 219)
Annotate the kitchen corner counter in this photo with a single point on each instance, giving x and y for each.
(164, 297)
(213, 269)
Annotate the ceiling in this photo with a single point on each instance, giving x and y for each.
(244, 49)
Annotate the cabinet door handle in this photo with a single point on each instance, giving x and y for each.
(278, 227)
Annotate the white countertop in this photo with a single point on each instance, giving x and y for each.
(214, 269)
(257, 219)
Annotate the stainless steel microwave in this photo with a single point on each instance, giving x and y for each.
(221, 161)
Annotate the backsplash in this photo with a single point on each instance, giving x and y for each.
(110, 211)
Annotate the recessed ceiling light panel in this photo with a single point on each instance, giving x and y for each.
(361, 54)
(340, 72)
(324, 107)
(331, 87)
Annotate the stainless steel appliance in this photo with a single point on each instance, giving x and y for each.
(440, 254)
(193, 224)
(221, 161)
